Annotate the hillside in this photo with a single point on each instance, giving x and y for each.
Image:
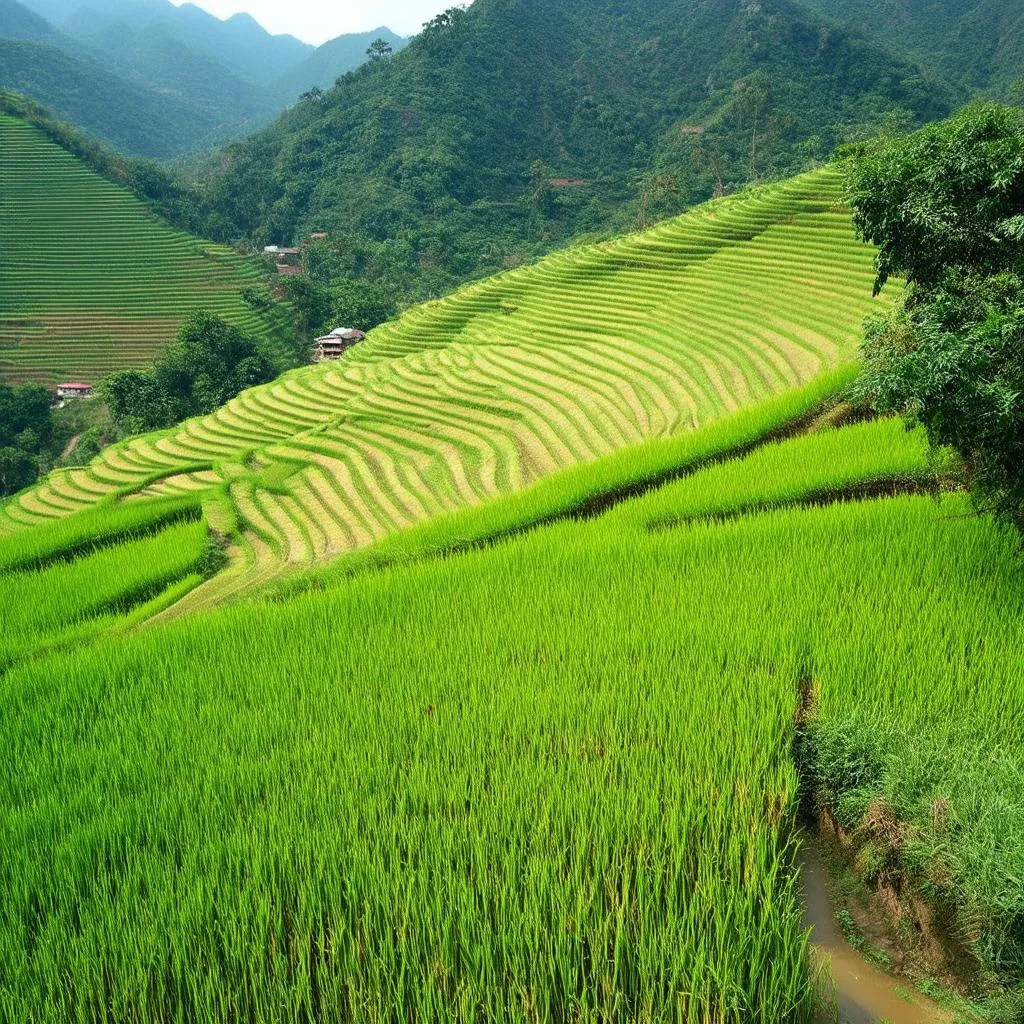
(508, 380)
(38, 61)
(978, 42)
(90, 280)
(334, 58)
(504, 131)
(593, 730)
(537, 634)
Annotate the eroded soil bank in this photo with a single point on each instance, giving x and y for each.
(864, 993)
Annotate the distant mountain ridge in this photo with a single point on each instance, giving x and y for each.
(157, 80)
(323, 66)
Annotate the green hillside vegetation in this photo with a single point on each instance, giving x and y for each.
(91, 281)
(507, 130)
(508, 380)
(978, 42)
(137, 120)
(160, 81)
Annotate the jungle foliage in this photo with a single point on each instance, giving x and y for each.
(946, 208)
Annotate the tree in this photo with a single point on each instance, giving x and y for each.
(18, 469)
(754, 99)
(25, 416)
(210, 363)
(135, 401)
(945, 206)
(380, 49)
(361, 304)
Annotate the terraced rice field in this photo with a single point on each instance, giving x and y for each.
(90, 280)
(480, 394)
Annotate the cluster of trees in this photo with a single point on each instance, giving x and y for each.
(210, 363)
(945, 206)
(26, 431)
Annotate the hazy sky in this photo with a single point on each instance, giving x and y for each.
(316, 21)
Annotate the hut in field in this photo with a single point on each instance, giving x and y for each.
(336, 344)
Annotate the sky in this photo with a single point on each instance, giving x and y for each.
(316, 21)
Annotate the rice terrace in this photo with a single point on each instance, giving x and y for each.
(632, 632)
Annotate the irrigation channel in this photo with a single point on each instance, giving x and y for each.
(864, 993)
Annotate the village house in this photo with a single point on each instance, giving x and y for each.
(73, 389)
(336, 344)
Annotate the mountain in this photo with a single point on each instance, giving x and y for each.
(336, 57)
(133, 119)
(19, 23)
(159, 81)
(977, 42)
(154, 57)
(239, 43)
(507, 129)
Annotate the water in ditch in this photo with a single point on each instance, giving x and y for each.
(864, 993)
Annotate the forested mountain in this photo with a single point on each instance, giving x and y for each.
(35, 61)
(508, 128)
(157, 80)
(977, 42)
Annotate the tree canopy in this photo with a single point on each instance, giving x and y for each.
(211, 362)
(945, 206)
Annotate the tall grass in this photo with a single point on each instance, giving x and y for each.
(549, 780)
(72, 600)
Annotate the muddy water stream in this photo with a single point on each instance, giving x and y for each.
(864, 993)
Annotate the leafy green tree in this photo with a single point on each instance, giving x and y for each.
(361, 304)
(135, 401)
(379, 49)
(210, 363)
(945, 206)
(25, 417)
(18, 469)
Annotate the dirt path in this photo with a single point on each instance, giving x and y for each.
(70, 447)
(865, 994)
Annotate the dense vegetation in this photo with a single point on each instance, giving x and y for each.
(210, 363)
(504, 130)
(946, 209)
(977, 42)
(577, 802)
(26, 429)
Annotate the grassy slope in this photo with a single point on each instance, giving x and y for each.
(511, 379)
(90, 281)
(573, 802)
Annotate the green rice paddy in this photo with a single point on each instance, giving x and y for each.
(90, 280)
(545, 610)
(549, 779)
